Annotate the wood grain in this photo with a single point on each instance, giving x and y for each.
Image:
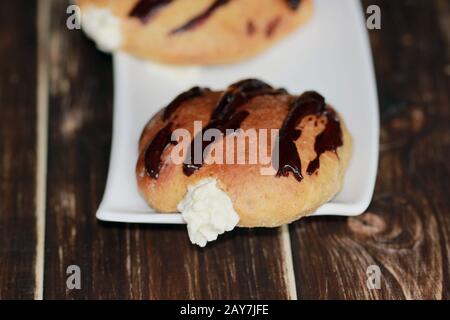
(119, 260)
(406, 230)
(18, 56)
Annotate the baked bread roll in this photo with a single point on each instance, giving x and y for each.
(191, 32)
(312, 145)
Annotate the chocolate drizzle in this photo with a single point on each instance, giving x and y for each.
(163, 138)
(251, 28)
(328, 140)
(200, 18)
(183, 97)
(224, 115)
(272, 26)
(309, 103)
(155, 150)
(144, 10)
(293, 4)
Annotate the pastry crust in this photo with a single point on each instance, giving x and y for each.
(235, 31)
(260, 200)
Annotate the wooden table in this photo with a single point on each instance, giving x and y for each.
(55, 137)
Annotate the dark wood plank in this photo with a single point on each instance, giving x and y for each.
(18, 113)
(406, 230)
(118, 260)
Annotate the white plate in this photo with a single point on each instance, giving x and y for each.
(331, 54)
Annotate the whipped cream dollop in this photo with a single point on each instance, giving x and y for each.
(208, 212)
(103, 27)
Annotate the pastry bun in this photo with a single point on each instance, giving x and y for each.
(312, 143)
(191, 32)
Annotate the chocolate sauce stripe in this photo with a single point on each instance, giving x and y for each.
(328, 140)
(293, 4)
(144, 10)
(309, 103)
(224, 115)
(192, 93)
(162, 138)
(155, 150)
(200, 18)
(289, 158)
(227, 116)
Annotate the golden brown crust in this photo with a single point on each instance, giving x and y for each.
(238, 30)
(259, 200)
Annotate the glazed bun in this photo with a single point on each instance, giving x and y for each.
(191, 32)
(312, 143)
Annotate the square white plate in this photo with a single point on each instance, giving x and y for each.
(331, 54)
